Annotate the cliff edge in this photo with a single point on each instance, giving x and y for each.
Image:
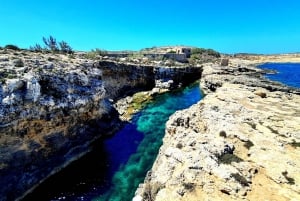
(241, 142)
(54, 106)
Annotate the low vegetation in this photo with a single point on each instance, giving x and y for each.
(95, 54)
(202, 55)
(11, 47)
(207, 52)
(51, 45)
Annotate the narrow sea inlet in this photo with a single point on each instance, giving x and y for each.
(115, 167)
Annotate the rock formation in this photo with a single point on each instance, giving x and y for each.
(241, 142)
(53, 106)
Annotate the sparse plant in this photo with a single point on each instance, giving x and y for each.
(91, 55)
(36, 48)
(94, 54)
(203, 51)
(65, 47)
(51, 43)
(100, 52)
(52, 46)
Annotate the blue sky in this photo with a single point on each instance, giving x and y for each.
(231, 26)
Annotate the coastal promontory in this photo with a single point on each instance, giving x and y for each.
(241, 142)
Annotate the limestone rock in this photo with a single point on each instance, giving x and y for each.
(239, 142)
(33, 88)
(55, 106)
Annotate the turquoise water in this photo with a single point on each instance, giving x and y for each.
(287, 73)
(150, 122)
(115, 167)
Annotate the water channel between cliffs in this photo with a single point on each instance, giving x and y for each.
(115, 167)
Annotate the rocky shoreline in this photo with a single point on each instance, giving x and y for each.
(241, 142)
(54, 106)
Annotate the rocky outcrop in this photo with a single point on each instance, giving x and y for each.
(53, 107)
(241, 142)
(124, 78)
(50, 114)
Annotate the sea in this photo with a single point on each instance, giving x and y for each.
(286, 73)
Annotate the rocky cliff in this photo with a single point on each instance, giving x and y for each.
(241, 142)
(53, 106)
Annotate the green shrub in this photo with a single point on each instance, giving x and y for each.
(52, 46)
(11, 47)
(91, 55)
(209, 52)
(65, 47)
(51, 43)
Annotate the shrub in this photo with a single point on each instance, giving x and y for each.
(91, 55)
(65, 47)
(51, 43)
(209, 52)
(11, 47)
(53, 46)
(36, 48)
(100, 52)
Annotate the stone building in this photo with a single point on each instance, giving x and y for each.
(184, 50)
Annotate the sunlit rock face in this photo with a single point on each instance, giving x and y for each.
(241, 142)
(53, 106)
(48, 118)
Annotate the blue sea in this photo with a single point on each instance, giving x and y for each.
(286, 73)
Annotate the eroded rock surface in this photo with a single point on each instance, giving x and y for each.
(54, 106)
(241, 142)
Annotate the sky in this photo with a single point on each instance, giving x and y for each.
(228, 26)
